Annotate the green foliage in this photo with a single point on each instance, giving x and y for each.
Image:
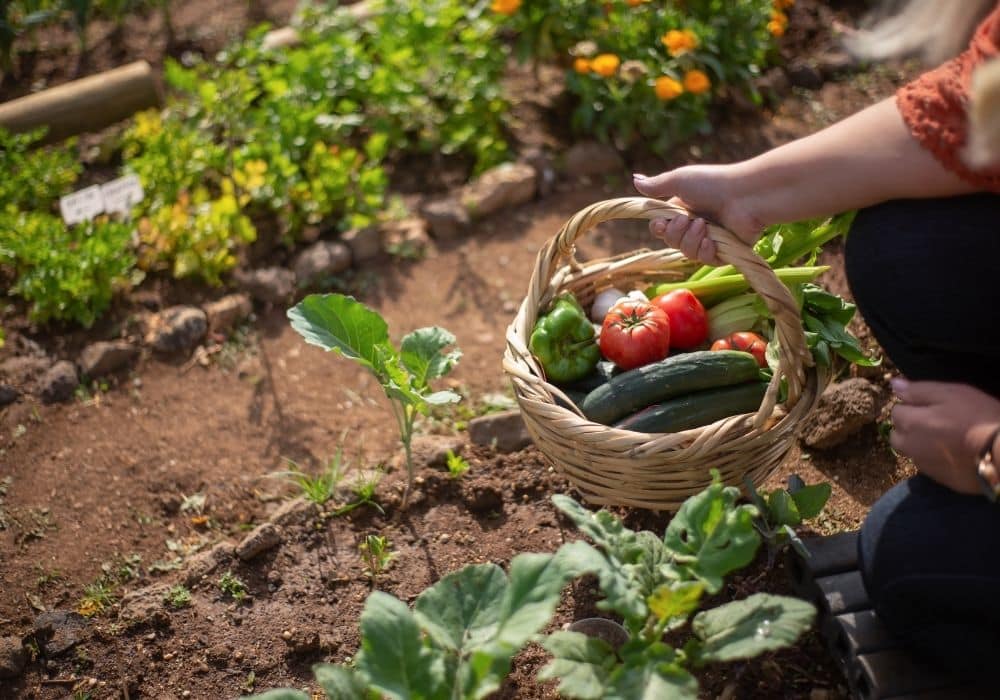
(826, 316)
(643, 87)
(233, 586)
(340, 323)
(66, 273)
(34, 178)
(323, 486)
(457, 465)
(655, 585)
(782, 510)
(376, 552)
(178, 597)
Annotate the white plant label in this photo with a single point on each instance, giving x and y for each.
(122, 194)
(82, 205)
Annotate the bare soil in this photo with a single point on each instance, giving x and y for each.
(103, 486)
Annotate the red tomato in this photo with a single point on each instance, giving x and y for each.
(745, 341)
(635, 333)
(688, 322)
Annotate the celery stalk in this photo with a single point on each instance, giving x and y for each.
(712, 291)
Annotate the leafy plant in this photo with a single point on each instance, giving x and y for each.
(459, 639)
(66, 273)
(781, 510)
(233, 586)
(656, 585)
(376, 552)
(97, 597)
(342, 324)
(35, 178)
(320, 488)
(826, 316)
(178, 597)
(457, 465)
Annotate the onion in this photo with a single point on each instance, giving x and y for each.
(603, 303)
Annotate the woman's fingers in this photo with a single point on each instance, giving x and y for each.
(690, 236)
(661, 185)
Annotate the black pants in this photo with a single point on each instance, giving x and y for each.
(924, 274)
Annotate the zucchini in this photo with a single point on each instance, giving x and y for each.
(697, 409)
(686, 373)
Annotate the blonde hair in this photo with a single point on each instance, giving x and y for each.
(983, 148)
(931, 30)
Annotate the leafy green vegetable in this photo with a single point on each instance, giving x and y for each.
(344, 325)
(783, 509)
(826, 316)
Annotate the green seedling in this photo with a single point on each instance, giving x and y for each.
(344, 325)
(178, 597)
(782, 510)
(233, 587)
(323, 486)
(377, 555)
(97, 597)
(457, 465)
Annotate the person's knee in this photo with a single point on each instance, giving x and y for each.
(865, 249)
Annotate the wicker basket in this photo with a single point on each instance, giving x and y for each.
(655, 471)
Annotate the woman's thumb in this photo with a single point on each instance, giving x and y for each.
(661, 185)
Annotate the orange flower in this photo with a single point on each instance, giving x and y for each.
(776, 28)
(636, 3)
(605, 65)
(679, 41)
(783, 4)
(696, 82)
(779, 17)
(581, 66)
(505, 7)
(667, 88)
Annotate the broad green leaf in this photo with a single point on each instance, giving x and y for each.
(462, 610)
(393, 657)
(745, 628)
(582, 664)
(483, 672)
(782, 509)
(278, 694)
(439, 398)
(652, 566)
(340, 682)
(602, 527)
(534, 591)
(711, 536)
(345, 325)
(422, 354)
(675, 600)
(651, 673)
(811, 499)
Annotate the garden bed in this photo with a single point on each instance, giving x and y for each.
(107, 489)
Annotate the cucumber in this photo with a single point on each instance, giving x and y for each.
(630, 391)
(697, 409)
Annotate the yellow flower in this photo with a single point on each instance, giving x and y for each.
(695, 81)
(581, 66)
(679, 41)
(776, 28)
(505, 7)
(667, 88)
(606, 64)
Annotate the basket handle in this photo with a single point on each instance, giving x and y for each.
(794, 356)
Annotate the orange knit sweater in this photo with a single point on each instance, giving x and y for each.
(934, 105)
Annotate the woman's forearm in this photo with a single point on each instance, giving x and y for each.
(867, 158)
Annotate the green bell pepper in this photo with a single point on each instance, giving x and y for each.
(563, 341)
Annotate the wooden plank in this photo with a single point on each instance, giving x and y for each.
(88, 104)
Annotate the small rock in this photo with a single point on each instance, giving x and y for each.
(409, 234)
(302, 642)
(8, 395)
(204, 563)
(320, 261)
(446, 217)
(176, 329)
(592, 158)
(545, 172)
(58, 631)
(432, 450)
(226, 312)
(505, 430)
(145, 606)
(273, 285)
(294, 512)
(218, 654)
(364, 243)
(261, 539)
(59, 383)
(13, 657)
(498, 188)
(98, 359)
(20, 371)
(483, 498)
(843, 410)
(805, 75)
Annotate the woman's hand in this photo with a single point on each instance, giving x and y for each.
(943, 427)
(708, 191)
